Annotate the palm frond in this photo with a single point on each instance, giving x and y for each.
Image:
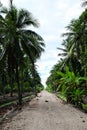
(84, 4)
(67, 34)
(25, 18)
(4, 10)
(62, 49)
(62, 54)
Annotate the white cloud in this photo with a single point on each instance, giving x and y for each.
(46, 63)
(73, 12)
(50, 38)
(53, 16)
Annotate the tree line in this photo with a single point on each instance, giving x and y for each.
(69, 75)
(20, 48)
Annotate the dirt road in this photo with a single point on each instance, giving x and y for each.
(47, 112)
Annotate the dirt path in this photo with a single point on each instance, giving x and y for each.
(52, 115)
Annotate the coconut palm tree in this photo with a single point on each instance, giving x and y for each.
(18, 39)
(74, 42)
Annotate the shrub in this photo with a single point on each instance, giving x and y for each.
(69, 85)
(7, 89)
(15, 88)
(49, 88)
(39, 88)
(27, 88)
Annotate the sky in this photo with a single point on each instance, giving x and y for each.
(53, 16)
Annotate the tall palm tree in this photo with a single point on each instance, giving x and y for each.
(18, 40)
(75, 36)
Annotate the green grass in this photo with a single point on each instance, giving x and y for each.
(84, 106)
(13, 102)
(61, 96)
(7, 104)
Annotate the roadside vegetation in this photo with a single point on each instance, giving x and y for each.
(68, 77)
(20, 48)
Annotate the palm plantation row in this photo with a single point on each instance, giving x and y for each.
(69, 75)
(20, 48)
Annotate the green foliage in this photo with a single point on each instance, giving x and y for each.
(77, 96)
(84, 106)
(69, 85)
(39, 88)
(49, 88)
(69, 75)
(62, 96)
(69, 78)
(26, 87)
(15, 88)
(20, 48)
(7, 89)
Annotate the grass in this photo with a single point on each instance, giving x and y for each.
(84, 106)
(15, 101)
(61, 96)
(7, 104)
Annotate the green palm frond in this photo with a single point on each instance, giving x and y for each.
(25, 18)
(4, 10)
(61, 49)
(84, 3)
(33, 34)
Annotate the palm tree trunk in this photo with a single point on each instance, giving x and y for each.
(11, 82)
(33, 73)
(34, 78)
(11, 85)
(18, 84)
(22, 83)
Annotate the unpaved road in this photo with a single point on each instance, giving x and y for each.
(52, 115)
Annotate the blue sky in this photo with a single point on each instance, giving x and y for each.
(53, 16)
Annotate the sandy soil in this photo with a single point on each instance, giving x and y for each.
(47, 112)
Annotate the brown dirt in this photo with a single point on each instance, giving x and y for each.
(47, 112)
